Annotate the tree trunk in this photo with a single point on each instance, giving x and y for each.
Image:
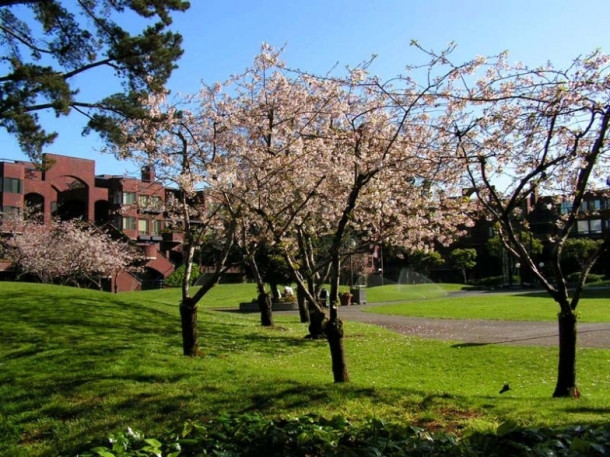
(303, 311)
(317, 323)
(334, 334)
(566, 374)
(190, 333)
(264, 304)
(264, 299)
(275, 293)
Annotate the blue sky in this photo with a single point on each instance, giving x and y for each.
(222, 37)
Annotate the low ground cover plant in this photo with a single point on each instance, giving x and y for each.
(255, 435)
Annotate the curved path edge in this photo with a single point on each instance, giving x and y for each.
(480, 332)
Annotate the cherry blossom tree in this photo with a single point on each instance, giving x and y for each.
(70, 252)
(323, 157)
(538, 131)
(180, 139)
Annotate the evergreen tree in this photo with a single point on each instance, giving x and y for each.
(47, 47)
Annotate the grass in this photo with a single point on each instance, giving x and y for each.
(223, 296)
(79, 364)
(393, 292)
(594, 307)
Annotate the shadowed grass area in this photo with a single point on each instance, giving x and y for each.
(77, 365)
(539, 306)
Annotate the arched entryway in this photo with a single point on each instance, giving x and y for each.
(72, 198)
(34, 207)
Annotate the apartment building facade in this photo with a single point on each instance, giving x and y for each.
(67, 187)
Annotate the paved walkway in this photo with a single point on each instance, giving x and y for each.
(479, 332)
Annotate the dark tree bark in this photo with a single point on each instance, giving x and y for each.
(275, 293)
(566, 373)
(334, 334)
(264, 299)
(303, 310)
(264, 304)
(190, 333)
(317, 323)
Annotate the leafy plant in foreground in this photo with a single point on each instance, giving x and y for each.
(311, 436)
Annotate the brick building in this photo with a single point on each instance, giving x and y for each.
(67, 187)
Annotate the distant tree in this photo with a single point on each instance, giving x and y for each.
(424, 261)
(70, 252)
(578, 251)
(464, 260)
(495, 246)
(47, 46)
(274, 269)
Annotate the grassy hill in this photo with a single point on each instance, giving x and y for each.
(77, 365)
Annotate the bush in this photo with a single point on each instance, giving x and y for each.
(254, 435)
(591, 278)
(495, 281)
(175, 279)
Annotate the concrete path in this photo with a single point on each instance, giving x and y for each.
(471, 332)
(479, 332)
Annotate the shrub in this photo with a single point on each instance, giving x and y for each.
(591, 278)
(254, 435)
(495, 281)
(175, 279)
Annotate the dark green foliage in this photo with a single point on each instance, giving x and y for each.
(46, 45)
(463, 260)
(591, 278)
(578, 251)
(496, 249)
(423, 261)
(495, 281)
(254, 435)
(572, 441)
(175, 279)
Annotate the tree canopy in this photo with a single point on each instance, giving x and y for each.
(47, 46)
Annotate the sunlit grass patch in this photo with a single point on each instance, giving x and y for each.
(499, 306)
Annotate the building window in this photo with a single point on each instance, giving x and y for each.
(129, 223)
(143, 201)
(129, 198)
(143, 226)
(150, 203)
(589, 226)
(156, 203)
(566, 207)
(11, 185)
(157, 226)
(595, 226)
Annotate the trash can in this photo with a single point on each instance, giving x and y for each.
(358, 294)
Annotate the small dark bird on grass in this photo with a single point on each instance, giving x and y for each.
(505, 388)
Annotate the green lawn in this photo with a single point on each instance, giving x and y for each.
(595, 307)
(79, 364)
(393, 292)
